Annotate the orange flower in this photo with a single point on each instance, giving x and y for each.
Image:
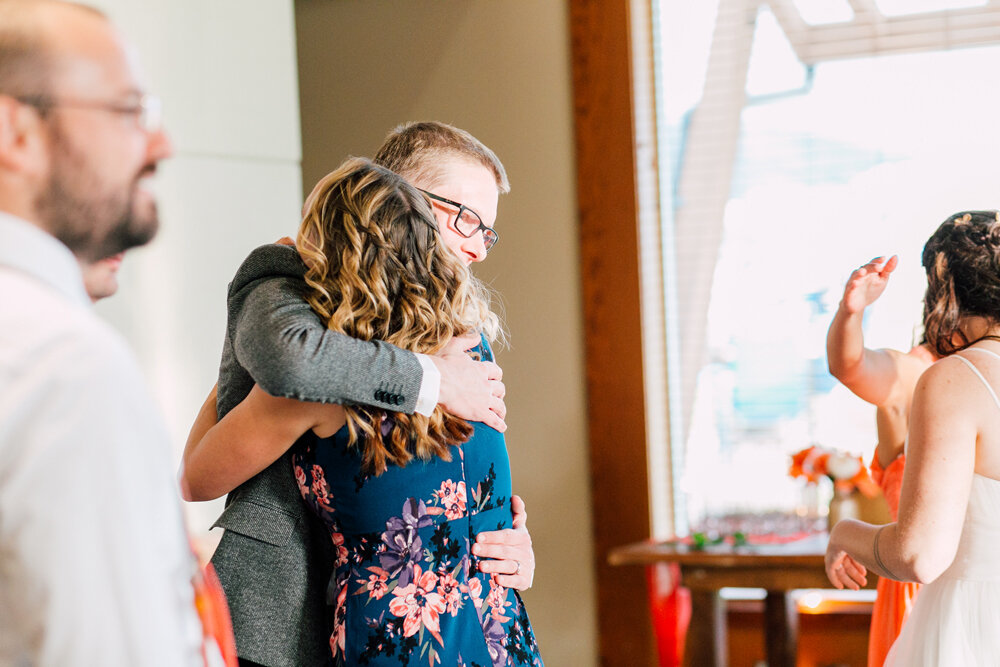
(809, 463)
(798, 459)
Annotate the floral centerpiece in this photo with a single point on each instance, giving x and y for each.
(846, 471)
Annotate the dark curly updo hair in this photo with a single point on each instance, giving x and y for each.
(962, 260)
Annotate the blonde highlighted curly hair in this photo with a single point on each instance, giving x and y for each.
(376, 269)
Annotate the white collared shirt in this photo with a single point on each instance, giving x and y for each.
(95, 567)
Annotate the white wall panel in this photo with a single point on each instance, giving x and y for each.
(225, 69)
(227, 74)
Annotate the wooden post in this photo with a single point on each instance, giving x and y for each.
(609, 255)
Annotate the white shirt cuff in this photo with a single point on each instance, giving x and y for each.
(430, 386)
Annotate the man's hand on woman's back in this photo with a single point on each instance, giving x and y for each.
(471, 389)
(508, 553)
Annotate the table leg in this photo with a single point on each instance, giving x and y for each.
(781, 629)
(706, 644)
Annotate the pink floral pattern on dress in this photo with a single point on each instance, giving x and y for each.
(320, 489)
(419, 604)
(497, 600)
(339, 548)
(451, 495)
(377, 584)
(338, 638)
(476, 592)
(450, 591)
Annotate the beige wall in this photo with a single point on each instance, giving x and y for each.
(501, 71)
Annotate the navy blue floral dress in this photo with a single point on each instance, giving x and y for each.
(406, 590)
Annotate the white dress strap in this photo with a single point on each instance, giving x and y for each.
(975, 370)
(985, 351)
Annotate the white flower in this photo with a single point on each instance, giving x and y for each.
(842, 466)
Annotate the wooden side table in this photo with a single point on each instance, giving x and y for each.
(777, 568)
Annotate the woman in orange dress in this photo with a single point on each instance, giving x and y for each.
(886, 379)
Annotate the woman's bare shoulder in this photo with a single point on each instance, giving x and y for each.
(950, 381)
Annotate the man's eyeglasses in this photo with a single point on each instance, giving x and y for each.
(468, 222)
(147, 109)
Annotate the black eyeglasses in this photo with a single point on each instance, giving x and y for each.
(468, 222)
(147, 109)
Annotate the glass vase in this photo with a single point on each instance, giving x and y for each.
(845, 504)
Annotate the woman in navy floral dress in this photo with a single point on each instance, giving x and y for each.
(404, 496)
(406, 589)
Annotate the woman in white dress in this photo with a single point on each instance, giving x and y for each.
(948, 532)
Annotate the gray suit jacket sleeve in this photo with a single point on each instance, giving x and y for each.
(282, 344)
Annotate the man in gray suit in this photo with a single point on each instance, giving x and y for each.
(275, 558)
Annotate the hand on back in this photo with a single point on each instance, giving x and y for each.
(508, 553)
(867, 283)
(471, 389)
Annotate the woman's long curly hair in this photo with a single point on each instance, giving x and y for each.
(378, 270)
(962, 261)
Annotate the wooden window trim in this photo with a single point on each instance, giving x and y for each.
(608, 205)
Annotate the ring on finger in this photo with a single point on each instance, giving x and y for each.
(517, 567)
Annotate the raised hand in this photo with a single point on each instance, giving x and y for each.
(470, 389)
(867, 283)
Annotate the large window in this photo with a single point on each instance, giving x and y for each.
(797, 141)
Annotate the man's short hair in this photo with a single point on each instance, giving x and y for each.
(26, 59)
(419, 150)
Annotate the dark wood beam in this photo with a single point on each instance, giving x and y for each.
(609, 255)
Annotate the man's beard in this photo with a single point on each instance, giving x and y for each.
(91, 224)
